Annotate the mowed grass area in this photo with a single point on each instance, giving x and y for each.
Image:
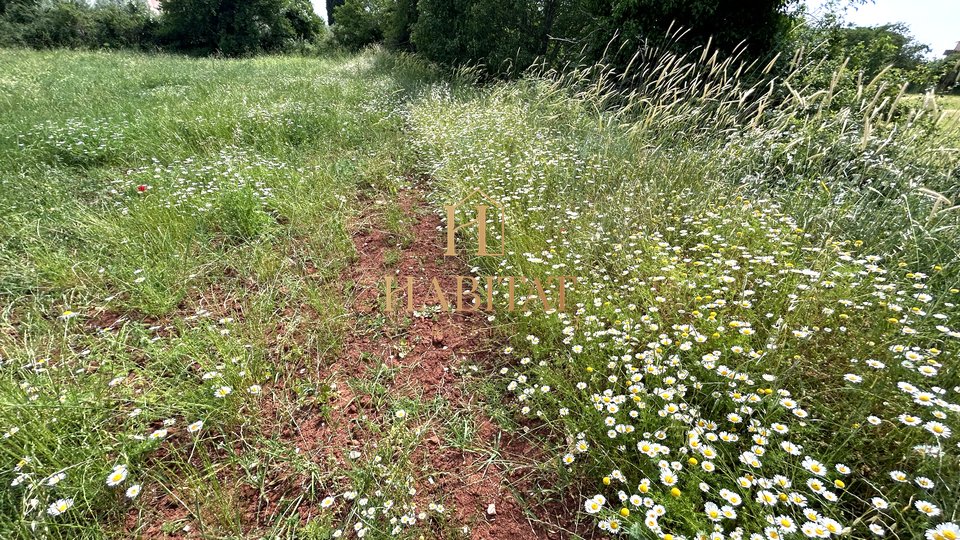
(951, 111)
(946, 108)
(949, 103)
(172, 233)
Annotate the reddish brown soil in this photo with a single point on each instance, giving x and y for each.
(431, 369)
(429, 352)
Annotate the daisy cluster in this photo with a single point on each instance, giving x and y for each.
(378, 494)
(195, 185)
(725, 373)
(47, 484)
(77, 140)
(385, 508)
(44, 497)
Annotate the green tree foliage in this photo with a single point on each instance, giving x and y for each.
(508, 35)
(14, 10)
(230, 27)
(852, 56)
(65, 24)
(331, 7)
(872, 49)
(945, 74)
(124, 25)
(399, 24)
(74, 23)
(238, 27)
(728, 24)
(360, 22)
(500, 34)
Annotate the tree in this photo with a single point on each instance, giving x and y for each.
(76, 23)
(64, 24)
(360, 23)
(238, 27)
(873, 48)
(400, 18)
(331, 7)
(945, 74)
(123, 25)
(508, 35)
(15, 17)
(728, 24)
(500, 34)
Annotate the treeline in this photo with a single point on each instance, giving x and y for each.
(887, 49)
(507, 36)
(501, 37)
(228, 27)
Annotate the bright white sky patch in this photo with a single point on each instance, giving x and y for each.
(320, 7)
(934, 22)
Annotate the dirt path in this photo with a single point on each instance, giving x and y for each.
(428, 353)
(427, 356)
(430, 369)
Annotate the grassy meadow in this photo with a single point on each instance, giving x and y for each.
(764, 340)
(951, 107)
(761, 342)
(172, 231)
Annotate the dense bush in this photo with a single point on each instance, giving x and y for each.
(728, 24)
(872, 48)
(76, 24)
(868, 51)
(124, 26)
(364, 22)
(945, 73)
(66, 24)
(399, 24)
(238, 27)
(331, 7)
(498, 33)
(359, 23)
(508, 36)
(230, 27)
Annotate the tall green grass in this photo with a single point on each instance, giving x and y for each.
(172, 231)
(765, 331)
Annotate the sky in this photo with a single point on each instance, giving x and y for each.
(320, 6)
(933, 22)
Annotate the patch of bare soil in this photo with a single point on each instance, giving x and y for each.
(429, 353)
(477, 484)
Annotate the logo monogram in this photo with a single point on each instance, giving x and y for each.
(480, 222)
(476, 293)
